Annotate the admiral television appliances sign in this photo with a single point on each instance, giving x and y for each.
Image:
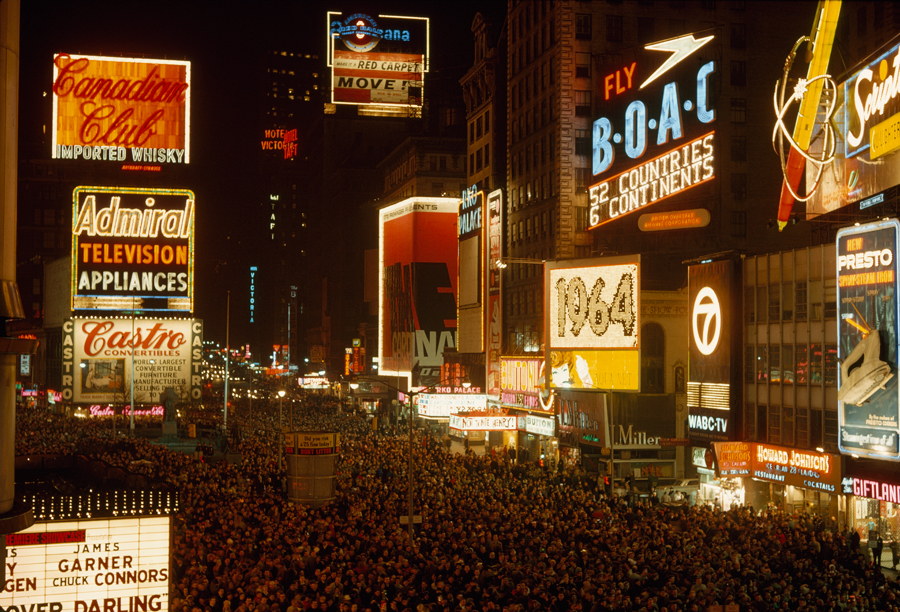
(868, 415)
(377, 60)
(132, 248)
(89, 566)
(121, 109)
(655, 139)
(592, 323)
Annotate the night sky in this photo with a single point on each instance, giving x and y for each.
(223, 41)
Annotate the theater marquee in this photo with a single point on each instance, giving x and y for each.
(132, 248)
(89, 566)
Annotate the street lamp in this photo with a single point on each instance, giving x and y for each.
(279, 428)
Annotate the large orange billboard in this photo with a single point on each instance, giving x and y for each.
(121, 109)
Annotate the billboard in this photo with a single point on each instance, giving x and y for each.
(78, 566)
(377, 60)
(471, 228)
(654, 140)
(782, 465)
(97, 359)
(494, 277)
(582, 418)
(868, 414)
(867, 119)
(417, 291)
(592, 323)
(132, 248)
(714, 346)
(121, 109)
(521, 379)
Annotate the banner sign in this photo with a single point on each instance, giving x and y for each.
(483, 422)
(868, 393)
(495, 253)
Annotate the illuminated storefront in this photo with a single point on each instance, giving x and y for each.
(875, 505)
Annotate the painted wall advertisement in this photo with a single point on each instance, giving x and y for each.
(132, 248)
(417, 287)
(868, 417)
(80, 566)
(655, 139)
(712, 352)
(867, 118)
(377, 60)
(121, 109)
(97, 359)
(591, 318)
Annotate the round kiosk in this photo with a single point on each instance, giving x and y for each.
(311, 456)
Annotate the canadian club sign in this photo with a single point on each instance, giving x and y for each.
(100, 356)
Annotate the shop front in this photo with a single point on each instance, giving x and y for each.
(642, 427)
(789, 479)
(874, 506)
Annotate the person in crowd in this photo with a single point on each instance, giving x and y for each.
(495, 535)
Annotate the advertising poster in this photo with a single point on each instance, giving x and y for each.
(592, 323)
(712, 352)
(121, 109)
(78, 566)
(418, 251)
(495, 253)
(655, 139)
(132, 248)
(867, 119)
(377, 60)
(582, 418)
(868, 419)
(97, 359)
(520, 383)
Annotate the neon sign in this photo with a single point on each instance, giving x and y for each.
(617, 76)
(132, 248)
(252, 293)
(100, 115)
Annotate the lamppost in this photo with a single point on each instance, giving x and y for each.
(278, 429)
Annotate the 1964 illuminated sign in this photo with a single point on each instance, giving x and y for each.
(673, 170)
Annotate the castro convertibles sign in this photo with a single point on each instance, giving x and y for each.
(88, 566)
(97, 359)
(121, 109)
(868, 395)
(132, 248)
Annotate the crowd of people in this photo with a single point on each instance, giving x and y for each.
(494, 535)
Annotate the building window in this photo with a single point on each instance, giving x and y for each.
(583, 65)
(738, 148)
(582, 104)
(738, 186)
(645, 30)
(787, 364)
(582, 215)
(653, 358)
(861, 21)
(582, 143)
(831, 364)
(487, 122)
(582, 176)
(738, 36)
(614, 28)
(739, 74)
(437, 189)
(738, 110)
(487, 155)
(478, 125)
(478, 160)
(738, 224)
(583, 27)
(762, 363)
(471, 164)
